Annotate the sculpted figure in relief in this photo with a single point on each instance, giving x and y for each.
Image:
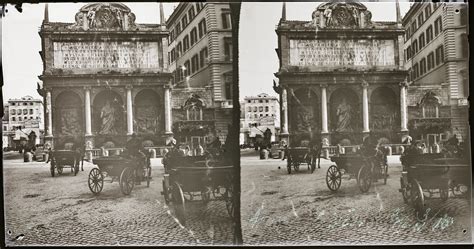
(343, 116)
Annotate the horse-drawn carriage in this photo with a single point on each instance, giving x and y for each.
(366, 169)
(301, 155)
(124, 169)
(61, 159)
(194, 178)
(426, 175)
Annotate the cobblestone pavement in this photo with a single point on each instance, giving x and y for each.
(299, 209)
(63, 211)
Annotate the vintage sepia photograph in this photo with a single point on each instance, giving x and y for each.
(117, 123)
(325, 123)
(354, 123)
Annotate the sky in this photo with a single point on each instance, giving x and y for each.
(258, 60)
(21, 42)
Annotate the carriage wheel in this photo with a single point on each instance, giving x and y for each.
(229, 200)
(59, 168)
(96, 181)
(444, 193)
(51, 168)
(177, 196)
(364, 178)
(288, 165)
(127, 180)
(313, 165)
(385, 173)
(333, 178)
(417, 198)
(296, 166)
(459, 190)
(148, 176)
(405, 189)
(76, 167)
(166, 192)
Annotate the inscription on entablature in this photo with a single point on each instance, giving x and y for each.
(336, 53)
(93, 55)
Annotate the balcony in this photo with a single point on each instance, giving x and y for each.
(227, 104)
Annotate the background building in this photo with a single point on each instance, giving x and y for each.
(436, 55)
(341, 76)
(200, 58)
(22, 116)
(105, 77)
(257, 114)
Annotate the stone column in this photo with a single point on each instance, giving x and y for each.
(129, 110)
(49, 115)
(168, 118)
(324, 110)
(403, 105)
(365, 107)
(87, 110)
(284, 119)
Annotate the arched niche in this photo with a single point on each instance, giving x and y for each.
(108, 113)
(147, 112)
(68, 114)
(304, 118)
(384, 110)
(344, 111)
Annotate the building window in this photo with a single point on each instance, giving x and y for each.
(255, 109)
(19, 118)
(186, 65)
(194, 64)
(421, 19)
(186, 43)
(184, 21)
(31, 111)
(13, 119)
(203, 57)
(464, 45)
(191, 13)
(228, 50)
(226, 21)
(266, 108)
(415, 71)
(260, 108)
(178, 29)
(179, 47)
(431, 61)
(464, 15)
(421, 41)
(409, 52)
(414, 46)
(13, 112)
(422, 66)
(199, 6)
(172, 55)
(228, 87)
(193, 36)
(407, 34)
(429, 34)
(427, 11)
(194, 113)
(439, 55)
(249, 109)
(202, 28)
(255, 115)
(25, 111)
(438, 26)
(413, 26)
(13, 103)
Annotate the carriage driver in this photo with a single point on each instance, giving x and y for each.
(134, 148)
